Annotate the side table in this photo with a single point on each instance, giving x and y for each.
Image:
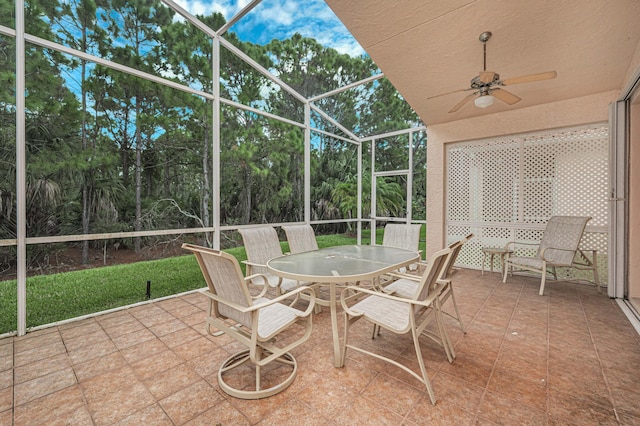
(491, 252)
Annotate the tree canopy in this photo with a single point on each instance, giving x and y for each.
(109, 151)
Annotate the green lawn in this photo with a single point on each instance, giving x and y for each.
(57, 297)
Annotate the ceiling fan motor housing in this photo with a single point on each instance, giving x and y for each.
(477, 84)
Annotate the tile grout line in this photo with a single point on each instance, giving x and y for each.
(548, 355)
(595, 347)
(486, 387)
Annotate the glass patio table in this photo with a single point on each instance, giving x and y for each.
(340, 265)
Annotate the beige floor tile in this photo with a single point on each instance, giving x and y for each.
(190, 402)
(504, 410)
(66, 406)
(170, 381)
(41, 368)
(396, 396)
(116, 406)
(364, 410)
(39, 353)
(568, 357)
(95, 367)
(36, 340)
(152, 415)
(224, 413)
(143, 350)
(43, 385)
(6, 398)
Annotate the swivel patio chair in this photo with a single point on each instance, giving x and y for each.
(558, 248)
(252, 322)
(301, 238)
(402, 315)
(262, 245)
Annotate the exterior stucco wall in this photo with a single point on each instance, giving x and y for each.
(634, 182)
(634, 65)
(572, 112)
(634, 204)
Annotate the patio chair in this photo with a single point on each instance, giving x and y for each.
(447, 292)
(402, 315)
(262, 244)
(404, 236)
(301, 238)
(558, 248)
(255, 324)
(406, 289)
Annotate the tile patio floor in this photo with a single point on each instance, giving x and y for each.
(570, 357)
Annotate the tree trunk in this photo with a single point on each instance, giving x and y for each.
(206, 191)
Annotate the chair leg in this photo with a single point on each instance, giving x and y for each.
(258, 368)
(504, 273)
(423, 370)
(343, 349)
(455, 307)
(444, 336)
(208, 324)
(542, 282)
(596, 276)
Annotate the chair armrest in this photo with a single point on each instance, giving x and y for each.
(427, 302)
(246, 309)
(586, 261)
(248, 279)
(405, 276)
(287, 295)
(225, 302)
(247, 262)
(552, 248)
(445, 282)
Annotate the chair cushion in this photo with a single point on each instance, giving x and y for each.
(402, 288)
(388, 313)
(274, 317)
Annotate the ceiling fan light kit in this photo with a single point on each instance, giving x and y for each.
(486, 85)
(483, 101)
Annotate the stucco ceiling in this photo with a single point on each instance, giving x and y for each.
(429, 47)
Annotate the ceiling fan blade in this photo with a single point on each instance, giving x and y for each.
(506, 97)
(448, 93)
(529, 78)
(486, 76)
(462, 102)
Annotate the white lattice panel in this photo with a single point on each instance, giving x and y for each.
(505, 189)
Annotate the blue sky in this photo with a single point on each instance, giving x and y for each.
(281, 19)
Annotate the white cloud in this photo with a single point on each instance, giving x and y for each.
(281, 19)
(280, 13)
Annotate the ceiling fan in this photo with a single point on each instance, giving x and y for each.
(486, 85)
